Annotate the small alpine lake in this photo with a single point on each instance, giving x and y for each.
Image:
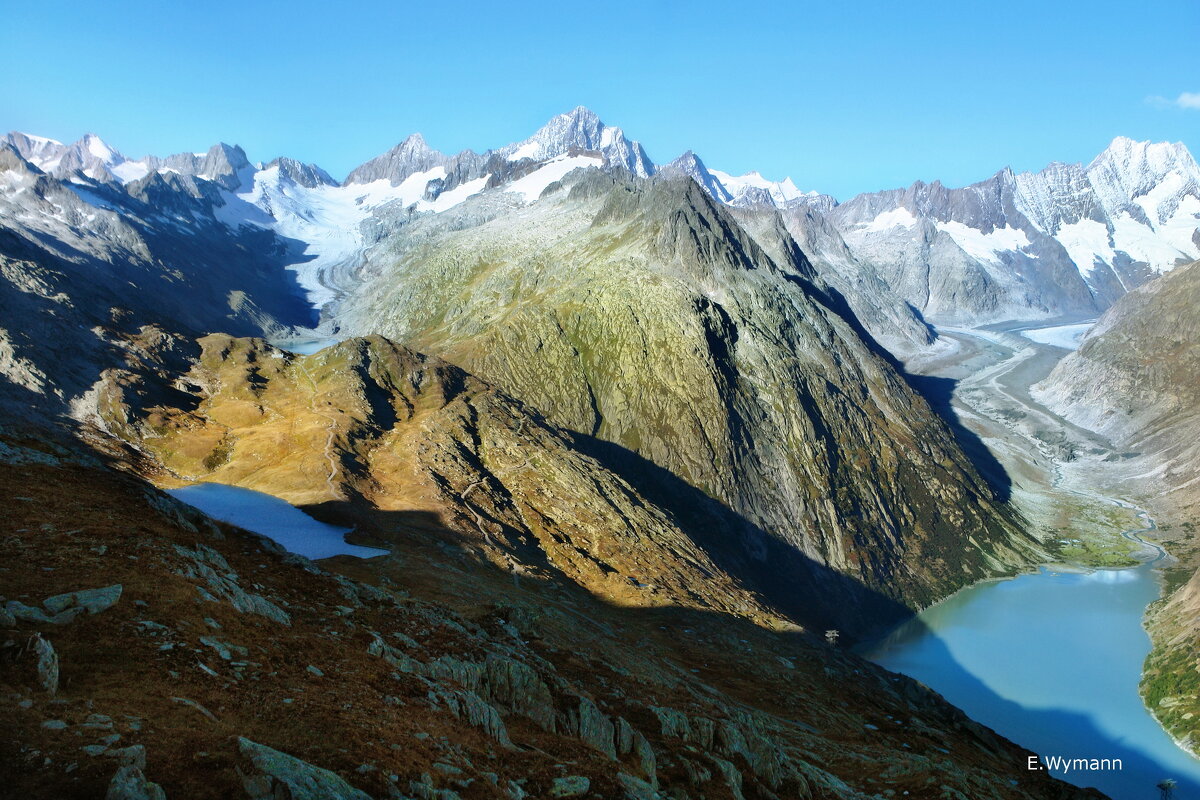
(274, 518)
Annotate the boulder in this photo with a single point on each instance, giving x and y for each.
(636, 788)
(91, 600)
(570, 786)
(47, 664)
(24, 613)
(281, 775)
(130, 784)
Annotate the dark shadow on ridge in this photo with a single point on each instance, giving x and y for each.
(938, 392)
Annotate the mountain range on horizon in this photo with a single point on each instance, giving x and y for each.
(1064, 241)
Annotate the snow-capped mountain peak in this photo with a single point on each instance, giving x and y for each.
(408, 158)
(581, 129)
(751, 189)
(1128, 170)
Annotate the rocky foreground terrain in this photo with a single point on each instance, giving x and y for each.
(150, 652)
(1136, 378)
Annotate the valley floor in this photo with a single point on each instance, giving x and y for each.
(1055, 473)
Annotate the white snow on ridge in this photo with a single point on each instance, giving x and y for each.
(532, 185)
(97, 147)
(449, 199)
(780, 191)
(527, 150)
(984, 246)
(896, 218)
(1144, 244)
(129, 171)
(1085, 241)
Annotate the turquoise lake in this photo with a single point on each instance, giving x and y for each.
(1052, 661)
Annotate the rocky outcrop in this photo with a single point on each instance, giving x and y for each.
(203, 563)
(275, 774)
(440, 677)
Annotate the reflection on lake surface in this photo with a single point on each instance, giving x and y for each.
(272, 517)
(1052, 661)
(306, 346)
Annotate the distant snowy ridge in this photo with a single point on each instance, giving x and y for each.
(1067, 239)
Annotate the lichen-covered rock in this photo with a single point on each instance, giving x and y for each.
(596, 729)
(636, 788)
(91, 600)
(570, 786)
(130, 784)
(519, 688)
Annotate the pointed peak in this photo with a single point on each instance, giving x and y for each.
(583, 114)
(688, 158)
(97, 147)
(308, 175)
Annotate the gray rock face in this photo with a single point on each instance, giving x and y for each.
(223, 164)
(409, 157)
(309, 176)
(280, 775)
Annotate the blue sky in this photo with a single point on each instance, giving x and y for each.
(843, 97)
